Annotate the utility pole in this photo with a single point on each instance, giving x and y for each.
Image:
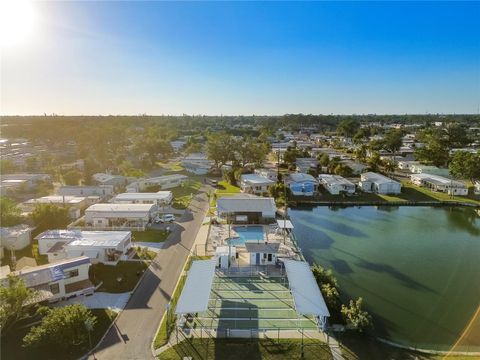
(285, 213)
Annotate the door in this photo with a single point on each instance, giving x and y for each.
(257, 259)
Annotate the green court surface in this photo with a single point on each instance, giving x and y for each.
(245, 303)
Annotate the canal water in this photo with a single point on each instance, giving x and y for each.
(417, 268)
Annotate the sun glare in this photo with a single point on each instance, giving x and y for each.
(17, 18)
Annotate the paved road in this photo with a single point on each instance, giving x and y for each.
(134, 329)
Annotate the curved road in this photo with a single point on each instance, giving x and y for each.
(133, 331)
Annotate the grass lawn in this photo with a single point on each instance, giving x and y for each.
(182, 195)
(162, 336)
(240, 349)
(128, 271)
(356, 347)
(226, 188)
(149, 235)
(433, 195)
(11, 348)
(171, 166)
(30, 251)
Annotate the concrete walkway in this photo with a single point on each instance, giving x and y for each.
(150, 245)
(99, 300)
(200, 244)
(335, 348)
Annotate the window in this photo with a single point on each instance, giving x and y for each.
(54, 288)
(72, 273)
(269, 257)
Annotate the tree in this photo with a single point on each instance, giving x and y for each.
(343, 170)
(393, 141)
(61, 328)
(324, 276)
(456, 135)
(348, 127)
(390, 165)
(16, 302)
(9, 212)
(331, 295)
(324, 160)
(374, 162)
(72, 177)
(220, 148)
(355, 316)
(278, 190)
(50, 217)
(361, 152)
(465, 165)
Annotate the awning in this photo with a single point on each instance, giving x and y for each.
(196, 292)
(285, 224)
(306, 294)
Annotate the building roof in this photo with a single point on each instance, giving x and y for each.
(160, 195)
(16, 230)
(334, 179)
(196, 292)
(115, 208)
(302, 177)
(85, 238)
(101, 177)
(438, 180)
(261, 247)
(244, 203)
(306, 294)
(256, 179)
(57, 199)
(376, 178)
(285, 224)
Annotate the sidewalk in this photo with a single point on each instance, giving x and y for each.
(200, 244)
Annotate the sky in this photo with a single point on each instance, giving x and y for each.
(91, 58)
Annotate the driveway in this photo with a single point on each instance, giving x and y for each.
(99, 300)
(134, 329)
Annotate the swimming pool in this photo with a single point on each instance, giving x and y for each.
(247, 233)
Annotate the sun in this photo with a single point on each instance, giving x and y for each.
(17, 18)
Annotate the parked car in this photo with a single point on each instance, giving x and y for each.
(167, 218)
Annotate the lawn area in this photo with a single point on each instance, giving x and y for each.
(182, 195)
(129, 272)
(408, 187)
(155, 236)
(163, 332)
(227, 188)
(355, 347)
(30, 251)
(11, 348)
(252, 349)
(171, 166)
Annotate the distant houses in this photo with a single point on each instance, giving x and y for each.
(75, 204)
(103, 191)
(107, 247)
(248, 209)
(440, 183)
(197, 163)
(56, 281)
(377, 183)
(336, 184)
(304, 165)
(10, 183)
(255, 184)
(429, 169)
(117, 181)
(301, 184)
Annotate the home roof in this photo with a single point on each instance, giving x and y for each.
(334, 179)
(256, 179)
(160, 195)
(302, 177)
(121, 207)
(85, 238)
(377, 178)
(244, 203)
(260, 247)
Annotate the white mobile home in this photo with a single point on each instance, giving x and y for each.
(108, 179)
(15, 237)
(160, 198)
(165, 182)
(106, 247)
(377, 183)
(60, 280)
(440, 183)
(127, 216)
(262, 253)
(476, 188)
(267, 173)
(336, 184)
(197, 163)
(306, 164)
(255, 184)
(103, 191)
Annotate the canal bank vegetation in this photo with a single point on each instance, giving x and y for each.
(351, 314)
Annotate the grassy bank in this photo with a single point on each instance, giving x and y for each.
(252, 349)
(182, 195)
(12, 349)
(117, 279)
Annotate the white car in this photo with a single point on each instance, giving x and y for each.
(167, 218)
